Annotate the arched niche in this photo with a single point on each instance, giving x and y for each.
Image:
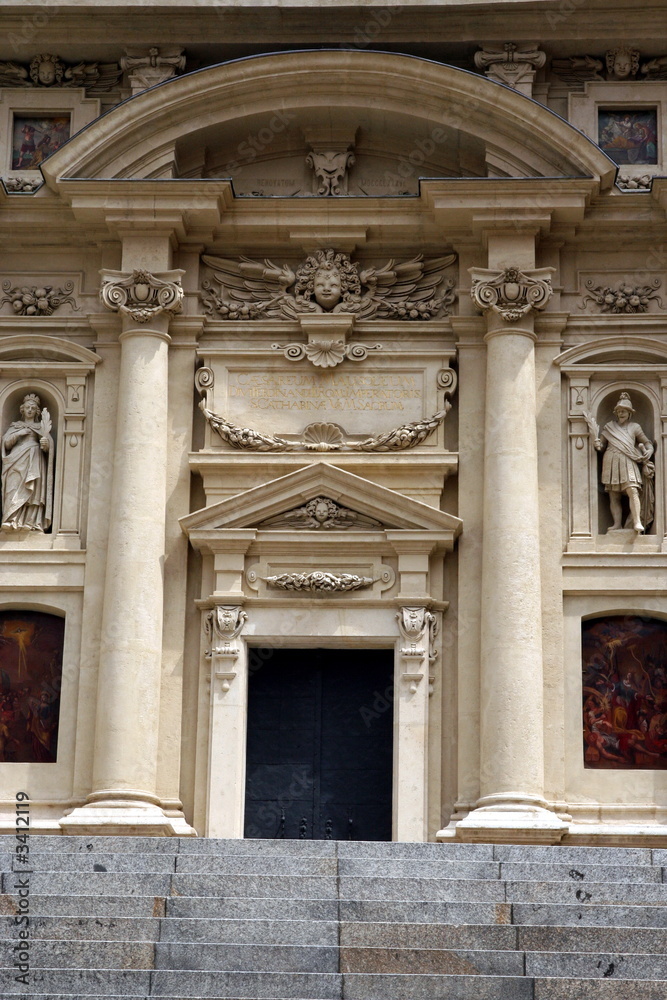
(624, 691)
(594, 375)
(12, 397)
(31, 664)
(59, 371)
(647, 414)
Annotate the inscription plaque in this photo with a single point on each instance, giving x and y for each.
(293, 399)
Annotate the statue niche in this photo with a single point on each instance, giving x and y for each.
(28, 453)
(626, 473)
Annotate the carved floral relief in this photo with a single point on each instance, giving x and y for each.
(623, 298)
(34, 300)
(325, 436)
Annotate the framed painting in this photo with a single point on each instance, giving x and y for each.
(629, 136)
(34, 137)
(625, 692)
(31, 658)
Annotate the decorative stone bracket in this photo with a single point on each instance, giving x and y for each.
(222, 625)
(418, 628)
(512, 66)
(141, 294)
(511, 293)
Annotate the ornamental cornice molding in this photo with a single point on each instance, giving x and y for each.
(141, 294)
(511, 292)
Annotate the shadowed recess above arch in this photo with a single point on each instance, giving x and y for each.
(257, 119)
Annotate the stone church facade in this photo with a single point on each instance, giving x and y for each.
(333, 401)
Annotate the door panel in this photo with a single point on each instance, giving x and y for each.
(319, 763)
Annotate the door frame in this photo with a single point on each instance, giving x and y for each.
(303, 627)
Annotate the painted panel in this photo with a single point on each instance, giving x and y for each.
(629, 136)
(36, 137)
(31, 658)
(625, 692)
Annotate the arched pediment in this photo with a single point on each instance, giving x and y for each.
(39, 347)
(615, 351)
(406, 117)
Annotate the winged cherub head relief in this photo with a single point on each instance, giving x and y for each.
(328, 282)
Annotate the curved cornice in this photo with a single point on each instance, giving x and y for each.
(138, 136)
(35, 346)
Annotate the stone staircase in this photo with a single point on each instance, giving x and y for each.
(318, 920)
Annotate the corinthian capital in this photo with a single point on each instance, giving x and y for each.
(510, 292)
(142, 295)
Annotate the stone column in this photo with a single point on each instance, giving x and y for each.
(124, 799)
(511, 806)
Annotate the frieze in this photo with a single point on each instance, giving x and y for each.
(38, 300)
(328, 282)
(50, 71)
(325, 436)
(321, 514)
(326, 353)
(22, 185)
(320, 581)
(624, 298)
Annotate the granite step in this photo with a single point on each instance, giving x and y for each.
(523, 871)
(468, 936)
(91, 905)
(588, 915)
(90, 928)
(246, 957)
(357, 986)
(435, 961)
(178, 984)
(83, 954)
(598, 893)
(257, 931)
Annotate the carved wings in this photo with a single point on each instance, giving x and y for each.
(249, 289)
(13, 75)
(254, 288)
(403, 289)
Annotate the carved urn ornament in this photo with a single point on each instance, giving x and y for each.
(511, 293)
(142, 295)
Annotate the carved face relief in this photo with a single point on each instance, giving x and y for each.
(622, 415)
(328, 288)
(46, 73)
(29, 410)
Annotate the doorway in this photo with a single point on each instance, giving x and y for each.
(320, 744)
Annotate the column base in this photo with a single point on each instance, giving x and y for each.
(124, 814)
(508, 819)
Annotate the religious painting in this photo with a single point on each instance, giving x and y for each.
(629, 136)
(36, 137)
(625, 693)
(31, 658)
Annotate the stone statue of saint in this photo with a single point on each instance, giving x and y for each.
(27, 469)
(626, 468)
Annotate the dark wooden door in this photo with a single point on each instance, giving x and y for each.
(319, 761)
